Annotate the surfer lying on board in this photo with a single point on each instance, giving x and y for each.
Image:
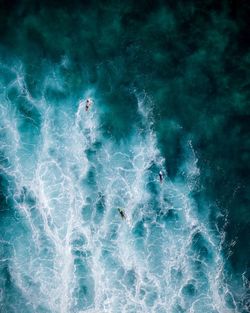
(161, 176)
(122, 213)
(89, 102)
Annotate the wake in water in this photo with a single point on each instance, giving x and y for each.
(64, 246)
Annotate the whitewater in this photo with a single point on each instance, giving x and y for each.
(64, 246)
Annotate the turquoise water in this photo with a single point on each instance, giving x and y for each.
(169, 84)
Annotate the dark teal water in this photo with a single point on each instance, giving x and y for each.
(170, 84)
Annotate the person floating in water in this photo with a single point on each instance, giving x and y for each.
(161, 176)
(122, 213)
(88, 104)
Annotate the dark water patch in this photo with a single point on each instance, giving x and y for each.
(237, 232)
(41, 309)
(130, 278)
(92, 151)
(4, 159)
(54, 95)
(29, 121)
(170, 136)
(121, 115)
(170, 216)
(12, 298)
(84, 293)
(10, 215)
(189, 290)
(6, 193)
(28, 111)
(81, 268)
(86, 212)
(139, 230)
(90, 177)
(79, 242)
(26, 196)
(229, 301)
(199, 274)
(177, 308)
(74, 77)
(7, 76)
(201, 248)
(176, 277)
(81, 294)
(153, 169)
(225, 174)
(82, 254)
(13, 94)
(150, 298)
(153, 188)
(99, 208)
(5, 276)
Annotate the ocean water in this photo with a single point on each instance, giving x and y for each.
(169, 83)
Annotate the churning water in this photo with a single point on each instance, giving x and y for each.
(64, 246)
(170, 85)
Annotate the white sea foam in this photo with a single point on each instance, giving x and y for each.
(72, 252)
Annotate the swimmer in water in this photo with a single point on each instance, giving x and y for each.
(122, 213)
(89, 102)
(161, 176)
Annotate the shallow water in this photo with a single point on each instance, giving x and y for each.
(65, 172)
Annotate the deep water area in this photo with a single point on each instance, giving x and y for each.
(170, 86)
